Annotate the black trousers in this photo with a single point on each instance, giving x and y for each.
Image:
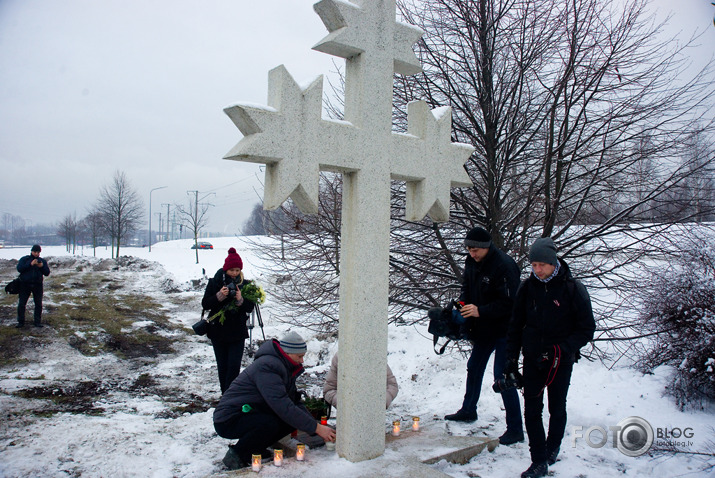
(228, 361)
(24, 296)
(535, 378)
(255, 432)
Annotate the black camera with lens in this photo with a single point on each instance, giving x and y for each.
(231, 290)
(508, 382)
(447, 322)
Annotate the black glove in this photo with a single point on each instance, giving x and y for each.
(511, 367)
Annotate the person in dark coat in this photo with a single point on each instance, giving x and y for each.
(33, 269)
(262, 405)
(228, 333)
(490, 281)
(552, 319)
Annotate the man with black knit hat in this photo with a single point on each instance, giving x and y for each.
(552, 319)
(263, 405)
(33, 269)
(489, 284)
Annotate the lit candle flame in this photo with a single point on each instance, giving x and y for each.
(396, 428)
(278, 457)
(256, 463)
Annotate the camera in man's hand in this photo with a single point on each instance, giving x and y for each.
(509, 381)
(231, 290)
(447, 322)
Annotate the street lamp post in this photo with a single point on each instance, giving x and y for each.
(160, 187)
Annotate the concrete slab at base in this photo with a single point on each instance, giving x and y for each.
(411, 454)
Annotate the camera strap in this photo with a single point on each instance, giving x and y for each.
(434, 345)
(553, 369)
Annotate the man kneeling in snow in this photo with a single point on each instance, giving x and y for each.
(262, 405)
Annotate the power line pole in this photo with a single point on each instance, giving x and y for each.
(167, 220)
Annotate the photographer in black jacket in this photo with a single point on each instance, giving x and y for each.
(33, 269)
(551, 321)
(229, 333)
(490, 281)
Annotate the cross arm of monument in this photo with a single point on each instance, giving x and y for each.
(283, 136)
(351, 29)
(439, 163)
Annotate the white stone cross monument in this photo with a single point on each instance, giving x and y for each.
(291, 138)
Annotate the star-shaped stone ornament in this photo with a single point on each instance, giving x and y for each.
(355, 29)
(285, 137)
(435, 163)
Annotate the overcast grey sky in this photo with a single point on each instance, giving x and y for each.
(88, 87)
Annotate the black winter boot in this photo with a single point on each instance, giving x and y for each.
(462, 416)
(551, 455)
(232, 460)
(536, 470)
(510, 437)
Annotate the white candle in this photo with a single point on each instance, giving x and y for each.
(300, 452)
(396, 428)
(415, 424)
(330, 445)
(278, 457)
(256, 463)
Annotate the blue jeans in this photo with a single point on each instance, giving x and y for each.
(476, 365)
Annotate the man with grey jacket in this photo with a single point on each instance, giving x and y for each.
(262, 404)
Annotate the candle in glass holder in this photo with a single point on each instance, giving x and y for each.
(256, 462)
(278, 457)
(415, 424)
(300, 452)
(330, 445)
(396, 428)
(323, 420)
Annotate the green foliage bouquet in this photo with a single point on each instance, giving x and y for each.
(250, 291)
(254, 293)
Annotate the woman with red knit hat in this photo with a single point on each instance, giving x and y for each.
(228, 330)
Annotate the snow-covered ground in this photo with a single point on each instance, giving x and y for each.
(134, 435)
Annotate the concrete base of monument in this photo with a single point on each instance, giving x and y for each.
(409, 454)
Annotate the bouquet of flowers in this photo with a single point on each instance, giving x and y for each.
(250, 291)
(254, 293)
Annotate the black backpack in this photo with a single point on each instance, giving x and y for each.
(13, 287)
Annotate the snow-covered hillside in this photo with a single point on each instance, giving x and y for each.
(150, 414)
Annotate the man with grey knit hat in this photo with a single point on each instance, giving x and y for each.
(489, 284)
(262, 404)
(552, 319)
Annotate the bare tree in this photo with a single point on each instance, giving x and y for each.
(565, 103)
(93, 227)
(255, 224)
(67, 228)
(120, 209)
(194, 216)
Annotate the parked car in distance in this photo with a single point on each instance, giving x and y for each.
(202, 245)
